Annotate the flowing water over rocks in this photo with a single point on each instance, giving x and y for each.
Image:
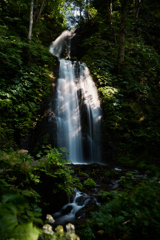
(84, 201)
(108, 179)
(78, 112)
(68, 211)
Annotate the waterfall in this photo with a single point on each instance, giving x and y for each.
(77, 104)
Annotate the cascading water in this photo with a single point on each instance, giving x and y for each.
(68, 115)
(76, 91)
(91, 101)
(79, 201)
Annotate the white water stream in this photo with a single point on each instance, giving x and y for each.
(76, 91)
(68, 211)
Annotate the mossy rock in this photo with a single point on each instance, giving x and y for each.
(89, 183)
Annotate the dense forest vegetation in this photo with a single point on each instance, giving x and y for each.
(127, 76)
(118, 40)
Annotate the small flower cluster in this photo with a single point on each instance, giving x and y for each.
(47, 229)
(71, 232)
(50, 219)
(59, 231)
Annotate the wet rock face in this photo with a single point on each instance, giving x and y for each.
(80, 200)
(67, 210)
(86, 211)
(74, 45)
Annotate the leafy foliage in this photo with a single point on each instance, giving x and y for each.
(25, 190)
(77, 183)
(17, 214)
(53, 165)
(25, 68)
(129, 215)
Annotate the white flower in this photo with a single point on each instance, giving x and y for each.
(70, 227)
(47, 229)
(50, 218)
(60, 230)
(72, 236)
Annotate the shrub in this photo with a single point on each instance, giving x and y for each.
(47, 182)
(53, 165)
(77, 183)
(89, 183)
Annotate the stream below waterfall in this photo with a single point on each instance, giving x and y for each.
(108, 179)
(68, 211)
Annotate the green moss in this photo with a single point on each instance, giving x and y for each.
(89, 183)
(82, 174)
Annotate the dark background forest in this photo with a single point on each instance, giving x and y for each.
(119, 41)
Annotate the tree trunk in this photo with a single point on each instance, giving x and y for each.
(40, 11)
(80, 10)
(121, 50)
(31, 22)
(111, 20)
(110, 11)
(138, 8)
(134, 9)
(35, 9)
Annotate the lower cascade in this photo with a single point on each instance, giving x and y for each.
(68, 211)
(78, 112)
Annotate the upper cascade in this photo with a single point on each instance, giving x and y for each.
(60, 43)
(57, 47)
